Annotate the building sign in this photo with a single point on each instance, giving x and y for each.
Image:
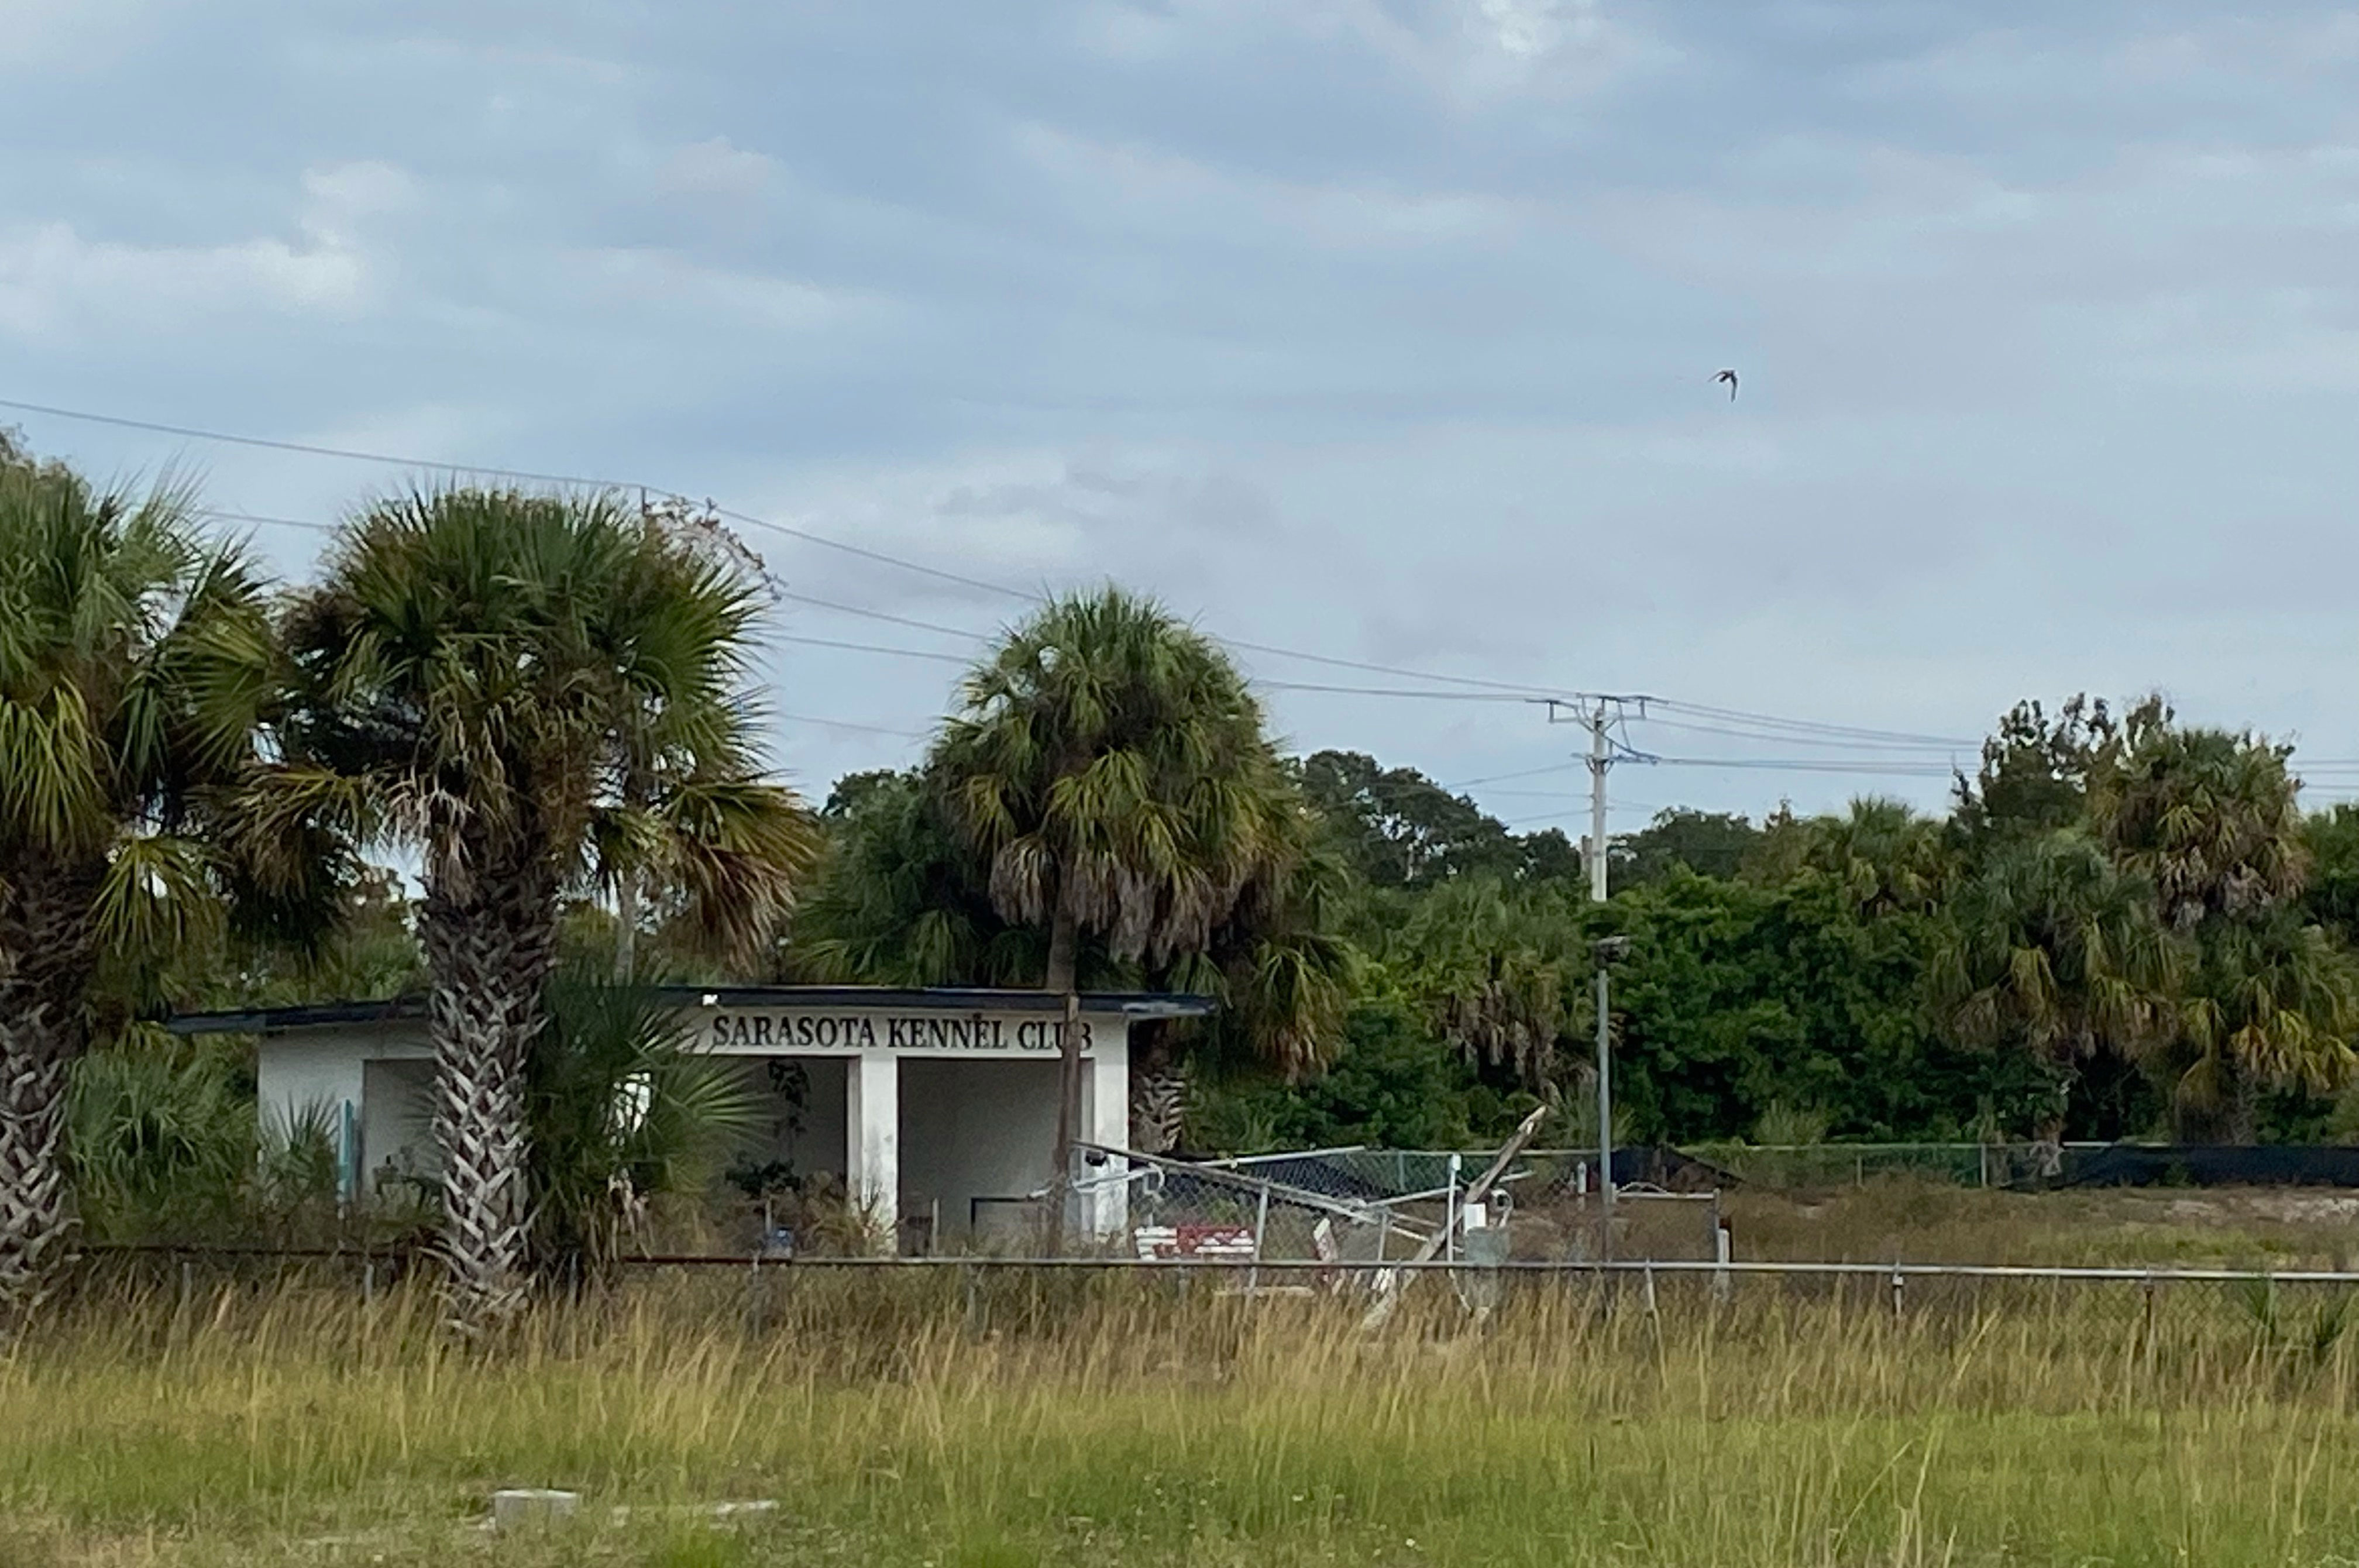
(780, 1031)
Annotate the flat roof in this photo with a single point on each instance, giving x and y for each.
(1129, 1004)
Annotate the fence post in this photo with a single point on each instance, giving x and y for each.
(1896, 1281)
(1261, 1229)
(368, 1281)
(1722, 1251)
(2146, 1336)
(754, 1294)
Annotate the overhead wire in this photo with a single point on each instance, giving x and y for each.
(847, 725)
(1502, 691)
(1797, 738)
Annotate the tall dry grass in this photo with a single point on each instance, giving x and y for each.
(989, 1420)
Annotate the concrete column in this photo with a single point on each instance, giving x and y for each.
(871, 1136)
(1105, 1119)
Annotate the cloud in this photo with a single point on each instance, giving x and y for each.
(1377, 328)
(55, 282)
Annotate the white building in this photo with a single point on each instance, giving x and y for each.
(938, 1105)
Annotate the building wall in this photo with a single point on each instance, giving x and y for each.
(807, 1139)
(398, 1123)
(974, 1129)
(951, 1126)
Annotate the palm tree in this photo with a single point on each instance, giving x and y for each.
(1502, 973)
(1109, 766)
(904, 900)
(900, 900)
(2274, 1003)
(1283, 976)
(528, 690)
(2049, 947)
(135, 670)
(2210, 818)
(1879, 854)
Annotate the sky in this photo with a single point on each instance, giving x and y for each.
(1380, 329)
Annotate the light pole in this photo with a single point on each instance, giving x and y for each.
(1609, 950)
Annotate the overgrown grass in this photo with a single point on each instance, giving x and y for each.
(987, 1420)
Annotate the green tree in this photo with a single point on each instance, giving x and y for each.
(902, 900)
(2331, 843)
(2210, 818)
(1108, 765)
(2050, 949)
(527, 691)
(2036, 770)
(1398, 828)
(135, 665)
(1710, 843)
(2272, 1005)
(1501, 973)
(1880, 854)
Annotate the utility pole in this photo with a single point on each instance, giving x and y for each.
(1599, 761)
(1600, 713)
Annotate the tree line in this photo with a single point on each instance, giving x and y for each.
(544, 703)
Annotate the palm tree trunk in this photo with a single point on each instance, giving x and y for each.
(1064, 960)
(1158, 1093)
(489, 958)
(45, 960)
(626, 925)
(36, 1223)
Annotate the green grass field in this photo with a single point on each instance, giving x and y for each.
(1117, 1422)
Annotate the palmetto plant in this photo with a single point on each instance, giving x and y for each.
(1109, 767)
(525, 690)
(622, 1112)
(135, 664)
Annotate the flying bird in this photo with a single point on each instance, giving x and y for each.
(1729, 376)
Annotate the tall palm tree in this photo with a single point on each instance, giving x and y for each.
(2049, 946)
(515, 685)
(135, 670)
(2209, 817)
(1109, 765)
(904, 900)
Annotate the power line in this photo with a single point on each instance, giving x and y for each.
(1392, 692)
(1522, 773)
(1897, 769)
(1794, 727)
(218, 516)
(309, 450)
(873, 647)
(879, 616)
(848, 725)
(1527, 692)
(1807, 727)
(1798, 738)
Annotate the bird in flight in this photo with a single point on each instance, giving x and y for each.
(1729, 376)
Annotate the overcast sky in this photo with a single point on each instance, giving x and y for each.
(1379, 329)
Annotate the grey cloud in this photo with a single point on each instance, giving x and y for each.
(1378, 328)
